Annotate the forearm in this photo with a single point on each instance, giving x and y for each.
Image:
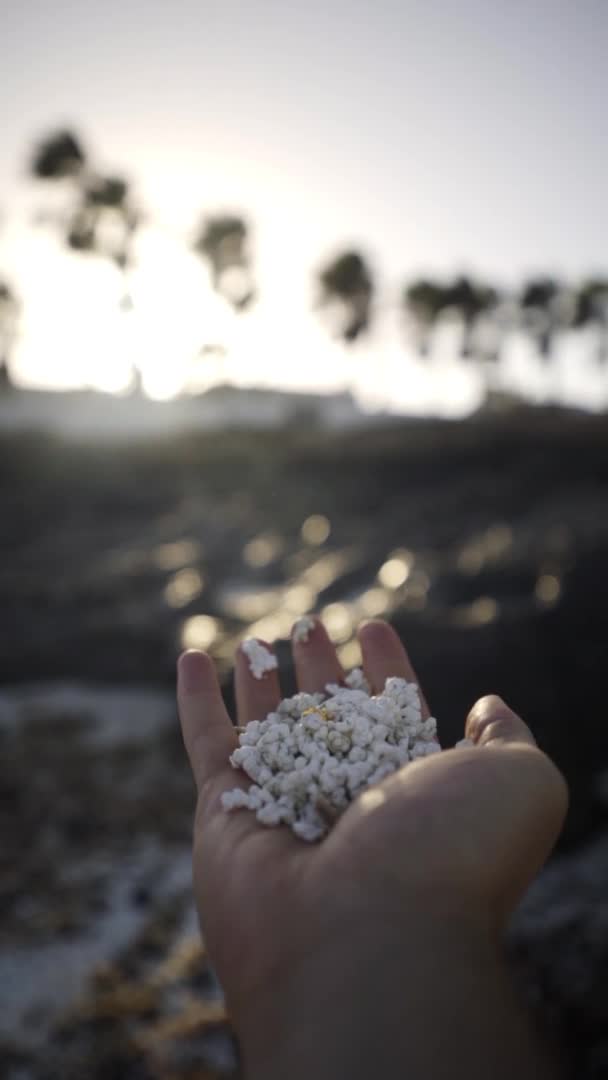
(440, 1005)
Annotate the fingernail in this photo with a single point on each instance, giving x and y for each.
(464, 744)
(484, 712)
(191, 671)
(302, 629)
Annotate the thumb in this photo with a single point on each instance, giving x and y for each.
(530, 793)
(491, 721)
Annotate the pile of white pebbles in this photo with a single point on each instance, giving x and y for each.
(317, 752)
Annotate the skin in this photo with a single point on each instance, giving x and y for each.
(377, 951)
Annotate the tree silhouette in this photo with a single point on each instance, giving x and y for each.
(9, 315)
(591, 310)
(541, 306)
(102, 219)
(58, 156)
(348, 280)
(426, 302)
(423, 302)
(223, 241)
(470, 302)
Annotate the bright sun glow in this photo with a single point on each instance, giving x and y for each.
(76, 333)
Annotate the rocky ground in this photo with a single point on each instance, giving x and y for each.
(110, 555)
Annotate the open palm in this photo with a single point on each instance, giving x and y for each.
(465, 829)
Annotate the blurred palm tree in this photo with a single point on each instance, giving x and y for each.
(9, 316)
(427, 302)
(347, 282)
(102, 218)
(423, 302)
(222, 239)
(591, 310)
(471, 303)
(543, 305)
(58, 156)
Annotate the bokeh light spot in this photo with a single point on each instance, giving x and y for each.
(484, 609)
(349, 654)
(299, 598)
(497, 541)
(315, 529)
(547, 589)
(338, 621)
(326, 570)
(471, 558)
(394, 572)
(374, 601)
(262, 550)
(183, 587)
(271, 627)
(248, 603)
(199, 632)
(179, 553)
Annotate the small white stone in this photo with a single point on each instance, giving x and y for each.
(260, 658)
(335, 744)
(356, 680)
(303, 628)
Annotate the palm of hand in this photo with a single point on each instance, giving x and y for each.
(463, 825)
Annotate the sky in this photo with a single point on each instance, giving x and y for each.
(437, 137)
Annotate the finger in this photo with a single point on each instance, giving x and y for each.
(492, 722)
(255, 697)
(315, 658)
(207, 730)
(210, 738)
(385, 656)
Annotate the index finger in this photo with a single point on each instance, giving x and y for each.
(207, 730)
(385, 656)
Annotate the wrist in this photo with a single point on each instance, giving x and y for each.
(347, 1007)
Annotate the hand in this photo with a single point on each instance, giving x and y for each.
(400, 906)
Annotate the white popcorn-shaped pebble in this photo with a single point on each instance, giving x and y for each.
(260, 658)
(317, 752)
(303, 628)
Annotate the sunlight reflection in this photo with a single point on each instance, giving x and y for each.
(416, 589)
(199, 632)
(470, 558)
(247, 603)
(374, 601)
(315, 530)
(183, 587)
(261, 551)
(271, 627)
(547, 589)
(489, 546)
(338, 621)
(371, 799)
(299, 598)
(326, 569)
(179, 553)
(396, 570)
(482, 611)
(497, 540)
(349, 654)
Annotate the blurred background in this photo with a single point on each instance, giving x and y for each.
(301, 310)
